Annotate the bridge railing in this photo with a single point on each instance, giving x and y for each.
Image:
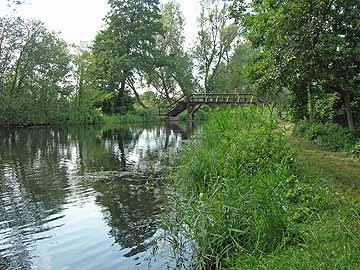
(215, 98)
(224, 98)
(173, 105)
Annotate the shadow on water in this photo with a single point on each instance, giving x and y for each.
(84, 198)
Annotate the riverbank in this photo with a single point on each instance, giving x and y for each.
(92, 119)
(247, 198)
(333, 240)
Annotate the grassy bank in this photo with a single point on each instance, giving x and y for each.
(332, 240)
(132, 117)
(244, 201)
(76, 118)
(339, 172)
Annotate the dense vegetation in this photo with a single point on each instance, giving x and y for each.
(307, 52)
(43, 80)
(330, 135)
(302, 55)
(137, 63)
(243, 199)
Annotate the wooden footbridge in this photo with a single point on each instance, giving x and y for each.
(193, 103)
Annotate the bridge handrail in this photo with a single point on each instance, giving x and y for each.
(230, 98)
(225, 98)
(174, 103)
(223, 94)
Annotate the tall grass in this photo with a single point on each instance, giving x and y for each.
(149, 115)
(237, 191)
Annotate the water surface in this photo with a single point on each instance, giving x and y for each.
(84, 198)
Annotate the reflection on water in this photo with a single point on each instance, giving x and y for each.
(83, 198)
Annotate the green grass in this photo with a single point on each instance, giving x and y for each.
(241, 196)
(332, 241)
(340, 172)
(132, 117)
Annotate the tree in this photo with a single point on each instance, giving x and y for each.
(306, 47)
(215, 40)
(34, 72)
(124, 50)
(232, 75)
(88, 97)
(170, 48)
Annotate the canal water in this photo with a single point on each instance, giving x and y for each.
(85, 198)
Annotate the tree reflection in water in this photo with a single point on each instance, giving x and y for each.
(45, 172)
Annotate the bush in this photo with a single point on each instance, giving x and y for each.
(355, 150)
(332, 136)
(200, 115)
(237, 191)
(132, 117)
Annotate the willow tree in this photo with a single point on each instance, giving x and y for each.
(172, 75)
(34, 73)
(125, 49)
(215, 40)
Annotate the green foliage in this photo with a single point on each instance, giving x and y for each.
(355, 149)
(215, 41)
(172, 72)
(238, 191)
(331, 243)
(232, 76)
(332, 240)
(201, 115)
(125, 50)
(143, 116)
(41, 83)
(305, 46)
(34, 74)
(332, 136)
(87, 99)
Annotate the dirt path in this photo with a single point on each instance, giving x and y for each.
(341, 172)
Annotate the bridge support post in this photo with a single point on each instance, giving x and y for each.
(172, 118)
(189, 109)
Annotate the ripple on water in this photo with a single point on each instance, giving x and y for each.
(83, 198)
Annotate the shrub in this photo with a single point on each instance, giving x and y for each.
(332, 136)
(355, 150)
(147, 115)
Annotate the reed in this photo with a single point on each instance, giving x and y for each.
(237, 191)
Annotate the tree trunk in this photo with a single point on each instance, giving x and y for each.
(138, 99)
(80, 93)
(311, 105)
(348, 110)
(122, 87)
(137, 96)
(17, 69)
